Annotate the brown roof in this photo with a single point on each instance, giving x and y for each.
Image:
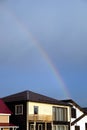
(75, 104)
(32, 96)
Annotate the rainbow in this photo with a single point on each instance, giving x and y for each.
(44, 54)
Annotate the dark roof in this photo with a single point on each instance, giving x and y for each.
(3, 108)
(85, 108)
(75, 104)
(32, 96)
(70, 101)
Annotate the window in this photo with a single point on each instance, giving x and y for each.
(54, 127)
(60, 127)
(19, 109)
(40, 127)
(35, 109)
(59, 114)
(31, 126)
(85, 126)
(77, 127)
(73, 112)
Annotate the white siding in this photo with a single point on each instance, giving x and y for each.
(81, 122)
(78, 114)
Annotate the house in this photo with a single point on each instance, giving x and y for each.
(33, 111)
(5, 113)
(78, 116)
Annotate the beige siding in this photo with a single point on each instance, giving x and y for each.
(4, 119)
(44, 109)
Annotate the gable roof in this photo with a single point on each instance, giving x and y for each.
(32, 96)
(75, 104)
(3, 108)
(80, 108)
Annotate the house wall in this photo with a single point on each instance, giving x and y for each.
(81, 122)
(18, 120)
(4, 119)
(22, 120)
(45, 109)
(78, 113)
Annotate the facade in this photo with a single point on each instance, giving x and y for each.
(78, 116)
(32, 111)
(5, 113)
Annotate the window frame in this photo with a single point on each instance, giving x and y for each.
(73, 112)
(85, 126)
(77, 127)
(60, 114)
(35, 110)
(17, 111)
(64, 127)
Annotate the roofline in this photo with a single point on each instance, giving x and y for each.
(5, 114)
(9, 126)
(73, 102)
(61, 103)
(27, 97)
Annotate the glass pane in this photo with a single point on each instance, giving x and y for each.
(35, 109)
(54, 127)
(54, 113)
(59, 114)
(31, 127)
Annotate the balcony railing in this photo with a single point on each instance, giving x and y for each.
(36, 117)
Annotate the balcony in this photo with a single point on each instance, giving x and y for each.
(43, 118)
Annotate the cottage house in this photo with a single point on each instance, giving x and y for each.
(78, 116)
(5, 113)
(33, 111)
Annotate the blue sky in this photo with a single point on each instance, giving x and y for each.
(39, 38)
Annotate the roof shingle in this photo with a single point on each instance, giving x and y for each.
(32, 96)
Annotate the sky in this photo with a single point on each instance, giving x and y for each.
(43, 48)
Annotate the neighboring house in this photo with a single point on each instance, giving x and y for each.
(78, 116)
(4, 117)
(32, 111)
